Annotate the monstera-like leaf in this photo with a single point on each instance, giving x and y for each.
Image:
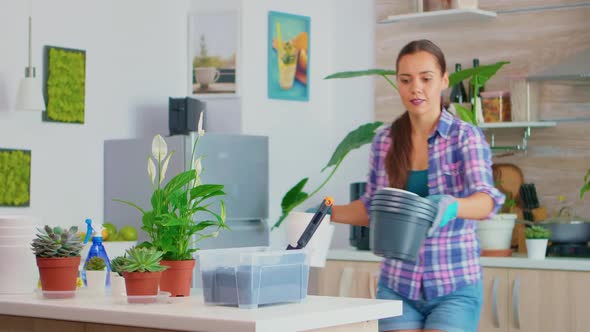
(354, 140)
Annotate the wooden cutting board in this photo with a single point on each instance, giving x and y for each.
(508, 178)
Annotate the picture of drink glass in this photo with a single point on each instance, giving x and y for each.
(205, 76)
(287, 65)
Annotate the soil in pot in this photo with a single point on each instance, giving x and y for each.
(178, 277)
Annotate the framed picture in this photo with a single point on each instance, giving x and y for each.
(213, 46)
(288, 56)
(65, 84)
(15, 177)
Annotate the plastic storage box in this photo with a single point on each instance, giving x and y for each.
(253, 276)
(496, 106)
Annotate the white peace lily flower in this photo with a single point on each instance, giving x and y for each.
(200, 129)
(198, 166)
(152, 170)
(159, 148)
(215, 234)
(165, 167)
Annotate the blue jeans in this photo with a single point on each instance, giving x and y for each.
(455, 312)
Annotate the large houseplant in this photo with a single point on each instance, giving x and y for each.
(58, 258)
(170, 222)
(479, 76)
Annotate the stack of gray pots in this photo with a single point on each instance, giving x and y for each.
(399, 222)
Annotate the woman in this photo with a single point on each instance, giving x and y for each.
(428, 151)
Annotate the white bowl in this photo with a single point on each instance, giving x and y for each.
(29, 231)
(15, 240)
(496, 233)
(14, 220)
(19, 271)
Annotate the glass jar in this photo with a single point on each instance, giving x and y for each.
(496, 106)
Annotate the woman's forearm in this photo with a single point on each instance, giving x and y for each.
(477, 206)
(353, 213)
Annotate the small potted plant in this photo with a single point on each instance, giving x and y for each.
(96, 274)
(536, 241)
(142, 271)
(585, 185)
(58, 257)
(117, 280)
(170, 222)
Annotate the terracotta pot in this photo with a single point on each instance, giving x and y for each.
(59, 274)
(178, 277)
(142, 283)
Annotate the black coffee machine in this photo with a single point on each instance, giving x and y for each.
(359, 235)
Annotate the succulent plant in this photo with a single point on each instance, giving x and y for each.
(117, 264)
(537, 232)
(57, 242)
(143, 260)
(95, 264)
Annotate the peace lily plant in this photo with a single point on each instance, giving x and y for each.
(169, 222)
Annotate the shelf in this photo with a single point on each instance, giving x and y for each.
(515, 125)
(536, 124)
(441, 16)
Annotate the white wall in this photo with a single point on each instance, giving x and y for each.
(135, 60)
(137, 57)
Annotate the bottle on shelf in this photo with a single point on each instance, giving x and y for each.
(458, 93)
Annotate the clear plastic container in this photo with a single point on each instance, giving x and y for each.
(496, 106)
(253, 276)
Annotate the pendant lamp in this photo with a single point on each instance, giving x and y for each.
(30, 96)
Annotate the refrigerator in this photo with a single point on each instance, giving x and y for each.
(239, 162)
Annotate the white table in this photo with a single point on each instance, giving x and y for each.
(84, 313)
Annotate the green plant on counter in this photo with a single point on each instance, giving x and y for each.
(117, 264)
(169, 223)
(586, 185)
(66, 85)
(354, 140)
(537, 232)
(57, 243)
(479, 76)
(143, 260)
(95, 264)
(15, 177)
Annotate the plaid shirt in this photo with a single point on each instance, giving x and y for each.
(459, 162)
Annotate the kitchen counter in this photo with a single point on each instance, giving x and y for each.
(518, 261)
(317, 313)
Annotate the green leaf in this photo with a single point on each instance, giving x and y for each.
(349, 74)
(293, 194)
(130, 204)
(205, 189)
(180, 180)
(201, 226)
(585, 188)
(465, 114)
(354, 140)
(479, 75)
(174, 221)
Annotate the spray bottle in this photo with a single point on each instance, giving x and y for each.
(97, 249)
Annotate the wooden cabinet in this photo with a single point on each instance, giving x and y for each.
(348, 279)
(522, 300)
(515, 300)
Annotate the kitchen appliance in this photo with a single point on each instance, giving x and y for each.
(239, 162)
(359, 236)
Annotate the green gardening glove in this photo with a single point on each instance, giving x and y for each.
(447, 210)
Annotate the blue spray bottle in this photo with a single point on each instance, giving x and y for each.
(97, 249)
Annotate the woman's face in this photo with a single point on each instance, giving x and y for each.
(420, 83)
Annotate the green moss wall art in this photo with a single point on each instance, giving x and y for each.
(65, 84)
(15, 177)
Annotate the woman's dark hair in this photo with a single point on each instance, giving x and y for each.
(397, 166)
